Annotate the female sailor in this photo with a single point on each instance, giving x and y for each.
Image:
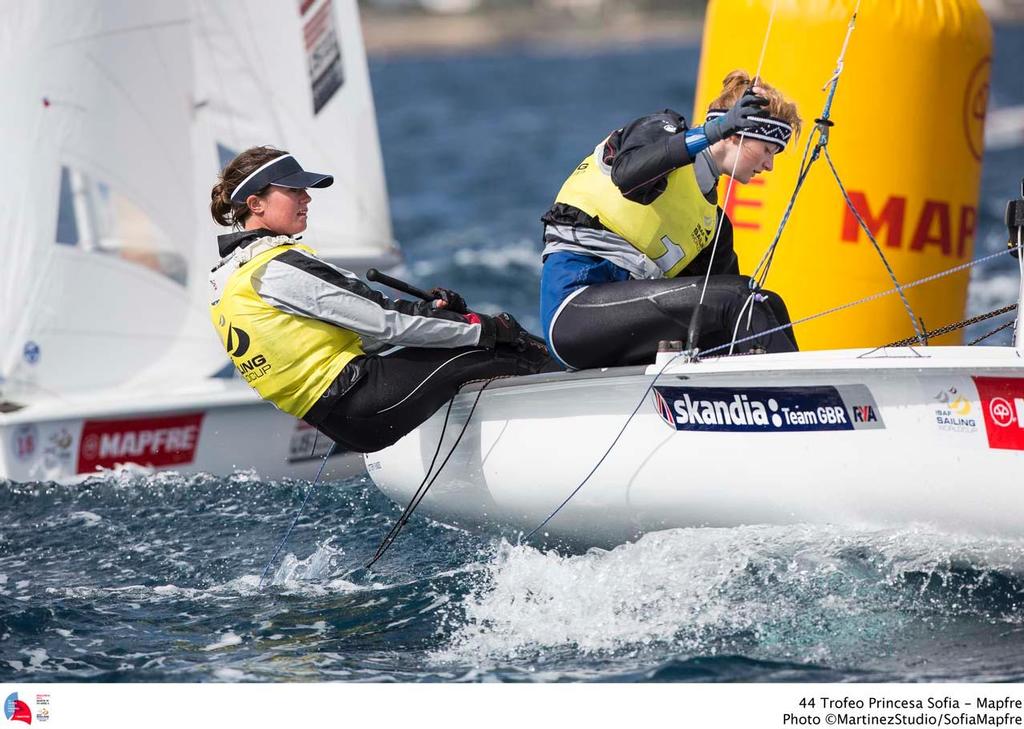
(297, 327)
(628, 241)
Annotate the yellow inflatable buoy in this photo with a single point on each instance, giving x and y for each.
(909, 116)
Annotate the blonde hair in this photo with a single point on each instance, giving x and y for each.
(737, 82)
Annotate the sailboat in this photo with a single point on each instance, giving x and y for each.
(889, 436)
(118, 116)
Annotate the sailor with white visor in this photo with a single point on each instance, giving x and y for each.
(298, 328)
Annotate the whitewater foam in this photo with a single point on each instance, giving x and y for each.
(814, 593)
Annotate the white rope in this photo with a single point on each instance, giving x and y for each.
(735, 164)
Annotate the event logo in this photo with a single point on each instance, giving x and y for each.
(164, 441)
(768, 409)
(16, 710)
(955, 412)
(1002, 404)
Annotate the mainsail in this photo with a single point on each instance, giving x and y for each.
(118, 117)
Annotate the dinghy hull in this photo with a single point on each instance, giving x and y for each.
(892, 437)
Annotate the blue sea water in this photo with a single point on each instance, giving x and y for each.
(153, 577)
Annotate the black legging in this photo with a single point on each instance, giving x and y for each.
(620, 323)
(400, 390)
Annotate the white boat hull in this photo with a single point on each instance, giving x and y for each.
(915, 442)
(217, 427)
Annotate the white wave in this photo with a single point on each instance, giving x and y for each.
(87, 518)
(804, 593)
(224, 640)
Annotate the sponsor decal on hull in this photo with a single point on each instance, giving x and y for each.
(955, 413)
(162, 441)
(1002, 406)
(768, 409)
(306, 445)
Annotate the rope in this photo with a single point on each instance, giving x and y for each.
(607, 451)
(736, 162)
(424, 486)
(295, 521)
(866, 299)
(958, 325)
(998, 329)
(878, 249)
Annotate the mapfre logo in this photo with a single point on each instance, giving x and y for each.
(163, 441)
(17, 710)
(1002, 403)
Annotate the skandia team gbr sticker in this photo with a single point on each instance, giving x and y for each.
(768, 409)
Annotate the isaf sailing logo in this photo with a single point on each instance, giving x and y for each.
(954, 412)
(238, 342)
(768, 409)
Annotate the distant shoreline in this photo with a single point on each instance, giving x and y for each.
(393, 34)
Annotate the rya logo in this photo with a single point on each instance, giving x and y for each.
(238, 341)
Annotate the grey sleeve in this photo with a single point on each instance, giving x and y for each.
(298, 283)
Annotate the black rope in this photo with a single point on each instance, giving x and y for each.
(425, 485)
(958, 325)
(998, 329)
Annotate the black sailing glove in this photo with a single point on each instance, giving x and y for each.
(453, 301)
(743, 115)
(500, 329)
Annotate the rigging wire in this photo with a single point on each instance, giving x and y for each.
(821, 132)
(783, 327)
(732, 180)
(424, 486)
(607, 451)
(302, 506)
(865, 300)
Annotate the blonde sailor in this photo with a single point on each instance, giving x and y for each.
(628, 240)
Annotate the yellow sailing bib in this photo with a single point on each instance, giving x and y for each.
(671, 231)
(288, 359)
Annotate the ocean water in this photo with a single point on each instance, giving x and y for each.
(154, 577)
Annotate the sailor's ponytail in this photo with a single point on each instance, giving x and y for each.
(224, 211)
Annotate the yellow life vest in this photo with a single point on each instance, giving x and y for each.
(288, 359)
(671, 231)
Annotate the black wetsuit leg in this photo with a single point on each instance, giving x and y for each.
(620, 323)
(398, 391)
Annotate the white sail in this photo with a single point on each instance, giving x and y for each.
(293, 74)
(96, 112)
(118, 116)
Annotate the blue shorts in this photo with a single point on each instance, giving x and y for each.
(567, 272)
